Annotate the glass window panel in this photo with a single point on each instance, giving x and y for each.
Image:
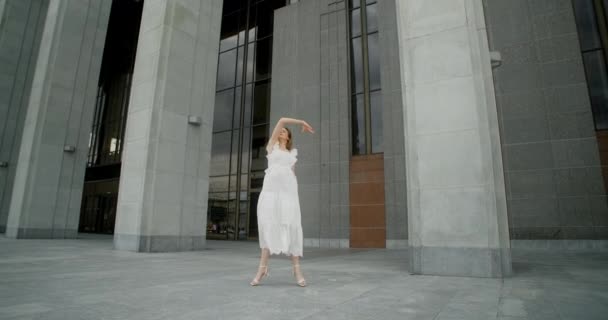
(237, 108)
(265, 17)
(235, 151)
(220, 154)
(233, 5)
(250, 62)
(247, 105)
(246, 150)
(355, 3)
(261, 103)
(358, 125)
(253, 214)
(355, 18)
(374, 61)
(242, 27)
(229, 32)
(357, 66)
(239, 65)
(257, 180)
(217, 211)
(218, 184)
(259, 138)
(252, 22)
(372, 18)
(586, 21)
(597, 82)
(376, 121)
(222, 113)
(370, 1)
(263, 58)
(226, 70)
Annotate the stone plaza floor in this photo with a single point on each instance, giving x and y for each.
(87, 279)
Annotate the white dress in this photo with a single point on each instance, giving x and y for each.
(279, 219)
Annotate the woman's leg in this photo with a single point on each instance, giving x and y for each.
(263, 267)
(295, 260)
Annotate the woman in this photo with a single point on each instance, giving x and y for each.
(279, 221)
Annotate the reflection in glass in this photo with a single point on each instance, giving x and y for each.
(376, 121)
(357, 66)
(239, 64)
(226, 70)
(372, 18)
(250, 62)
(220, 154)
(355, 3)
(263, 59)
(356, 22)
(218, 184)
(373, 61)
(358, 124)
(597, 82)
(258, 148)
(586, 21)
(222, 113)
(235, 151)
(237, 110)
(239, 147)
(261, 103)
(229, 31)
(246, 148)
(247, 105)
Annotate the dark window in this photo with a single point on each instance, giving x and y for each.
(373, 56)
(220, 154)
(226, 70)
(222, 113)
(358, 124)
(366, 110)
(261, 105)
(372, 18)
(357, 66)
(592, 29)
(230, 31)
(376, 120)
(244, 64)
(263, 59)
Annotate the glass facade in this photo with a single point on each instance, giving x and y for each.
(241, 115)
(366, 97)
(100, 193)
(593, 37)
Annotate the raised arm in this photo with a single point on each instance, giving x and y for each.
(280, 125)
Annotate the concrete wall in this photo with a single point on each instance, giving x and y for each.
(552, 165)
(48, 182)
(21, 25)
(309, 81)
(311, 71)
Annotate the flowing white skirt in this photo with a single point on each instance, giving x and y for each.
(279, 218)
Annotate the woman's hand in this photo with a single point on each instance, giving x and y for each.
(306, 127)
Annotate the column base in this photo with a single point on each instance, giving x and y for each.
(128, 242)
(463, 262)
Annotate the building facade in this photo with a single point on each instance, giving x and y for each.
(456, 129)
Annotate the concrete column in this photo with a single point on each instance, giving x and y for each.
(48, 183)
(456, 199)
(162, 202)
(21, 25)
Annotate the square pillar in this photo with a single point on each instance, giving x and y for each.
(162, 201)
(457, 211)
